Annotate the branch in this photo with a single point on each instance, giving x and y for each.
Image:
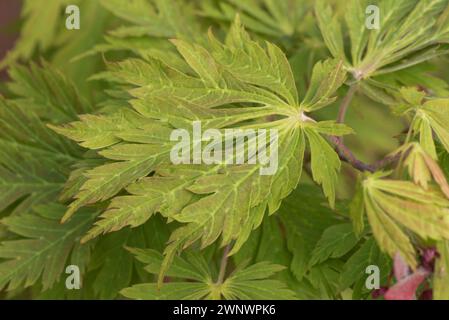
(346, 102)
(344, 152)
(346, 155)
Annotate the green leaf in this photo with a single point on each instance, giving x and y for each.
(358, 32)
(100, 131)
(335, 242)
(305, 217)
(388, 48)
(423, 168)
(330, 29)
(332, 128)
(267, 243)
(355, 268)
(48, 92)
(244, 283)
(157, 18)
(114, 263)
(271, 18)
(441, 273)
(357, 211)
(169, 291)
(180, 268)
(430, 117)
(107, 180)
(327, 77)
(169, 65)
(412, 96)
(324, 277)
(325, 164)
(44, 249)
(393, 206)
(238, 84)
(435, 112)
(250, 283)
(34, 39)
(33, 160)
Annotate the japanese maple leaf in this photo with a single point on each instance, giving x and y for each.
(407, 282)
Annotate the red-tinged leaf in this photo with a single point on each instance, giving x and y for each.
(426, 295)
(379, 292)
(428, 258)
(400, 267)
(406, 288)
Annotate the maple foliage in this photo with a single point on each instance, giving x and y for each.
(87, 176)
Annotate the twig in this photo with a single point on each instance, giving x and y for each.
(344, 152)
(346, 155)
(346, 102)
(399, 168)
(223, 264)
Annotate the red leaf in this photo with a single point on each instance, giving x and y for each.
(400, 267)
(406, 288)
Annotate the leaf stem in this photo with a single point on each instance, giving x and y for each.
(346, 155)
(400, 166)
(223, 264)
(346, 102)
(344, 152)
